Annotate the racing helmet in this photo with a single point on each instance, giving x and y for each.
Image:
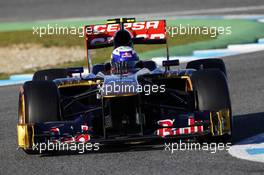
(123, 59)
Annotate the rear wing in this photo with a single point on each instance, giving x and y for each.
(144, 32)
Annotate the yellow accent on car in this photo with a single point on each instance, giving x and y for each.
(189, 86)
(220, 120)
(211, 123)
(223, 118)
(225, 115)
(80, 83)
(120, 95)
(21, 112)
(22, 136)
(111, 22)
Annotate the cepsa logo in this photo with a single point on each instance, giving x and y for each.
(98, 35)
(108, 28)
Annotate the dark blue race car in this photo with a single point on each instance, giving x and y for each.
(126, 100)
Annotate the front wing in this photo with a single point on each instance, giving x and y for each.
(186, 125)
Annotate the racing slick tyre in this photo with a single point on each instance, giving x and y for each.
(50, 74)
(212, 94)
(207, 64)
(40, 102)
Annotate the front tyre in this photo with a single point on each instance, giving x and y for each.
(38, 102)
(212, 94)
(210, 63)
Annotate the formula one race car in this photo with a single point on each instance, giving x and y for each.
(126, 100)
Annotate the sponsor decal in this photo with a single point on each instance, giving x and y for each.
(169, 131)
(163, 132)
(137, 26)
(102, 35)
(166, 123)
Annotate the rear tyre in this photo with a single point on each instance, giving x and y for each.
(50, 74)
(213, 63)
(212, 94)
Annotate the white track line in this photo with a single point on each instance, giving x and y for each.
(249, 149)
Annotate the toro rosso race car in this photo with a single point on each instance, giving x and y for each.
(125, 100)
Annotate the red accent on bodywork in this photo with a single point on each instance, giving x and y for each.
(84, 127)
(192, 129)
(166, 123)
(55, 130)
(82, 138)
(186, 130)
(164, 132)
(191, 121)
(200, 129)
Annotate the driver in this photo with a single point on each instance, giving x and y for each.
(123, 60)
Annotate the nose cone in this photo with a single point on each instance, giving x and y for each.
(115, 85)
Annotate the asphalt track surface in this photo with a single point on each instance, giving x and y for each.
(28, 10)
(246, 81)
